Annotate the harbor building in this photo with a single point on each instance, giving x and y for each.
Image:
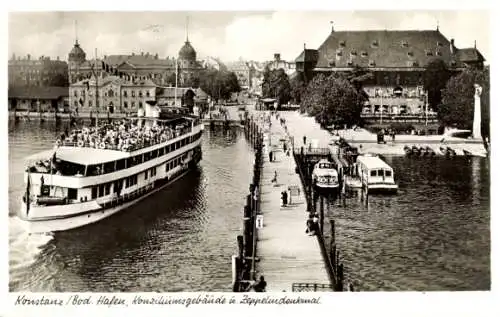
(396, 58)
(42, 71)
(38, 99)
(114, 94)
(141, 66)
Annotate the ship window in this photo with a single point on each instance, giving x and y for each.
(147, 156)
(92, 170)
(154, 154)
(153, 171)
(72, 193)
(130, 162)
(388, 173)
(108, 188)
(94, 192)
(138, 159)
(380, 173)
(101, 190)
(109, 167)
(127, 182)
(120, 165)
(145, 175)
(133, 93)
(373, 173)
(161, 151)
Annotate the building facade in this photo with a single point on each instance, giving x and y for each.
(278, 63)
(114, 94)
(244, 72)
(396, 58)
(38, 99)
(44, 71)
(140, 66)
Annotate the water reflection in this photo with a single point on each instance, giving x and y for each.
(179, 239)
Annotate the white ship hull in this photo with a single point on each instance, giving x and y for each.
(95, 213)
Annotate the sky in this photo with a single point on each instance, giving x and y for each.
(227, 35)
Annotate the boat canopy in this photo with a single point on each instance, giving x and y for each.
(81, 155)
(373, 162)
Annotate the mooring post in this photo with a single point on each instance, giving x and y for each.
(332, 232)
(239, 239)
(322, 214)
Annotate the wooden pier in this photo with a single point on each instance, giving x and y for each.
(287, 254)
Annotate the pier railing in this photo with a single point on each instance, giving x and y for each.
(244, 263)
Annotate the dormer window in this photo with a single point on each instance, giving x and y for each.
(372, 63)
(349, 63)
(354, 53)
(439, 44)
(332, 63)
(428, 53)
(364, 54)
(453, 63)
(414, 64)
(339, 53)
(375, 43)
(410, 53)
(404, 44)
(342, 43)
(438, 53)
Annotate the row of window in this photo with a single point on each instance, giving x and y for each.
(380, 173)
(113, 166)
(111, 93)
(105, 189)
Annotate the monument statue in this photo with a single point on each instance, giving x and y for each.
(479, 90)
(476, 126)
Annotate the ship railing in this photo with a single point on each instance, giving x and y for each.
(130, 147)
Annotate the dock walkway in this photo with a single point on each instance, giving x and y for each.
(286, 253)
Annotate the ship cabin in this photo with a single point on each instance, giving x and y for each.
(376, 175)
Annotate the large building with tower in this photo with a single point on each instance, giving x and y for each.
(397, 59)
(141, 66)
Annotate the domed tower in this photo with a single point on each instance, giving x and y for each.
(187, 55)
(76, 58)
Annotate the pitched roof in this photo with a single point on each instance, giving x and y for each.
(52, 93)
(470, 55)
(384, 48)
(138, 60)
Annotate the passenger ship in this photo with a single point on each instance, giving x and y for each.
(96, 172)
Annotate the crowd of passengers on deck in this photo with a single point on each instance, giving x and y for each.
(123, 135)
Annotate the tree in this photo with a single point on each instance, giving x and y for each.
(276, 85)
(457, 106)
(436, 75)
(333, 99)
(298, 87)
(219, 84)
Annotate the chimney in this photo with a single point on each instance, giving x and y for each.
(29, 57)
(58, 58)
(156, 56)
(142, 53)
(304, 46)
(277, 57)
(452, 46)
(133, 54)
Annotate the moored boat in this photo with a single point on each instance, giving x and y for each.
(375, 174)
(325, 176)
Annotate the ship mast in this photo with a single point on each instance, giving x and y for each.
(96, 90)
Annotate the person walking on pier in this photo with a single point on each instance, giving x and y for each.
(275, 179)
(304, 139)
(270, 156)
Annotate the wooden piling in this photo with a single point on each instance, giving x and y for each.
(322, 214)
